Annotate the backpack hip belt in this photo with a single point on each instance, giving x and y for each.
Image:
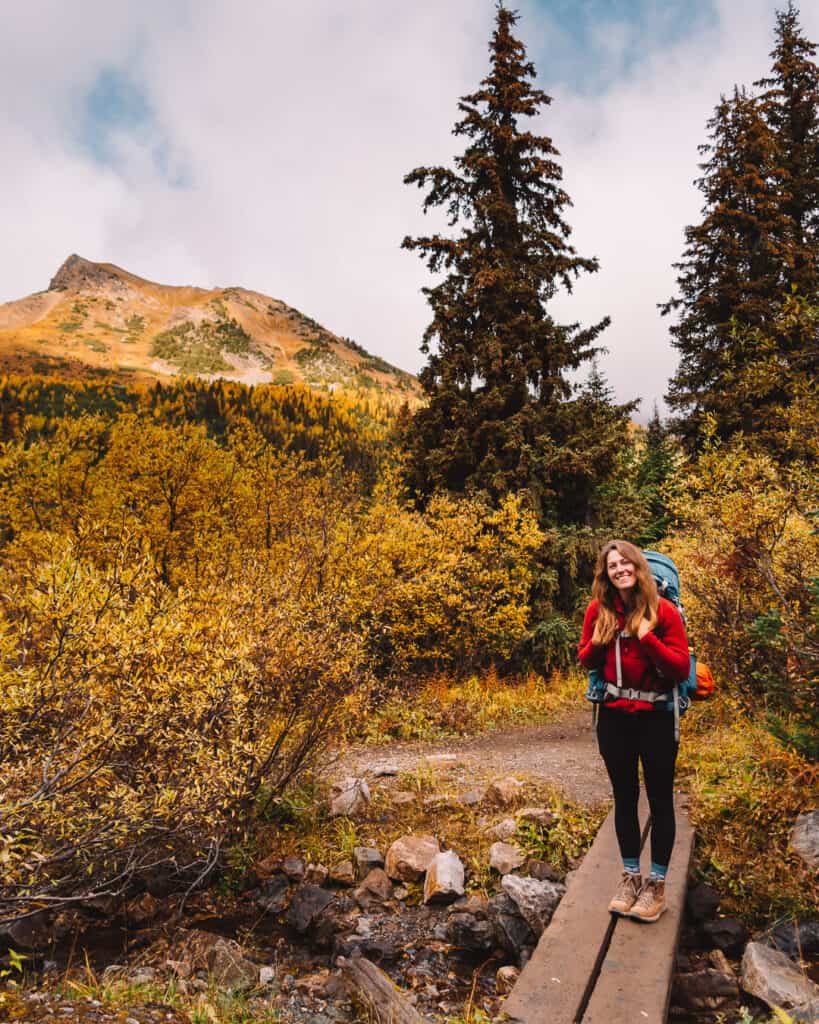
(626, 693)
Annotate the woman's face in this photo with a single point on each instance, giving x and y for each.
(622, 572)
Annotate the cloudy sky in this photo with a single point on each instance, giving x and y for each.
(263, 143)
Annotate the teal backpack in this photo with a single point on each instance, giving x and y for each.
(667, 577)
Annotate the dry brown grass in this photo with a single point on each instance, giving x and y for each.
(444, 707)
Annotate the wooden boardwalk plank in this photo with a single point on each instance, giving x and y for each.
(635, 978)
(553, 982)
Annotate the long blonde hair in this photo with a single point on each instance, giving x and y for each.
(646, 598)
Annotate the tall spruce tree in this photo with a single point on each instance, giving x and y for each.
(790, 105)
(657, 463)
(752, 264)
(732, 274)
(499, 415)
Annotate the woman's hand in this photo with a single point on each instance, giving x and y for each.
(646, 626)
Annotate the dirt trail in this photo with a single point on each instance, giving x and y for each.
(563, 753)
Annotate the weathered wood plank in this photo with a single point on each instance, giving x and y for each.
(635, 978)
(553, 982)
(370, 986)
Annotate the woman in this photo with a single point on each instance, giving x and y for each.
(626, 612)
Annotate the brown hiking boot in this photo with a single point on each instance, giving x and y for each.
(651, 901)
(626, 895)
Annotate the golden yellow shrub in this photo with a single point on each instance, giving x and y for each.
(749, 551)
(181, 622)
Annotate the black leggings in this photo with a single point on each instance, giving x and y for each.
(623, 737)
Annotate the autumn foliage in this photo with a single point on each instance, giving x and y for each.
(182, 619)
(750, 548)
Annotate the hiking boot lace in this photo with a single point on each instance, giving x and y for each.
(629, 887)
(648, 895)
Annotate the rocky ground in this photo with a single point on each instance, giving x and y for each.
(450, 931)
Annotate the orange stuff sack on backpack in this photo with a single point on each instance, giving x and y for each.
(705, 682)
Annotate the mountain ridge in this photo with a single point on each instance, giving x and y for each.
(99, 319)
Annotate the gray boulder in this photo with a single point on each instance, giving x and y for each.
(505, 857)
(805, 838)
(294, 868)
(796, 940)
(306, 905)
(349, 796)
(775, 979)
(376, 888)
(409, 857)
(512, 930)
(468, 926)
(504, 791)
(366, 858)
(535, 900)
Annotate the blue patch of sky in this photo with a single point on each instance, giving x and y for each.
(586, 45)
(114, 106)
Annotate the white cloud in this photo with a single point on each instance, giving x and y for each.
(292, 126)
(630, 157)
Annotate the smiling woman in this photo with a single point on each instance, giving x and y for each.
(637, 640)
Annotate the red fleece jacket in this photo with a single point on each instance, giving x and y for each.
(655, 663)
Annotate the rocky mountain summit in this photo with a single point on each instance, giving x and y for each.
(81, 274)
(98, 320)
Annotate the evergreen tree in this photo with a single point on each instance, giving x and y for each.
(732, 274)
(499, 409)
(790, 105)
(592, 445)
(751, 267)
(657, 463)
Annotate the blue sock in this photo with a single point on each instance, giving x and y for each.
(632, 865)
(659, 871)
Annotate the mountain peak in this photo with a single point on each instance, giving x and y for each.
(79, 273)
(99, 319)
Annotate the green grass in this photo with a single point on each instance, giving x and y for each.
(135, 325)
(198, 348)
(214, 1005)
(567, 838)
(321, 364)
